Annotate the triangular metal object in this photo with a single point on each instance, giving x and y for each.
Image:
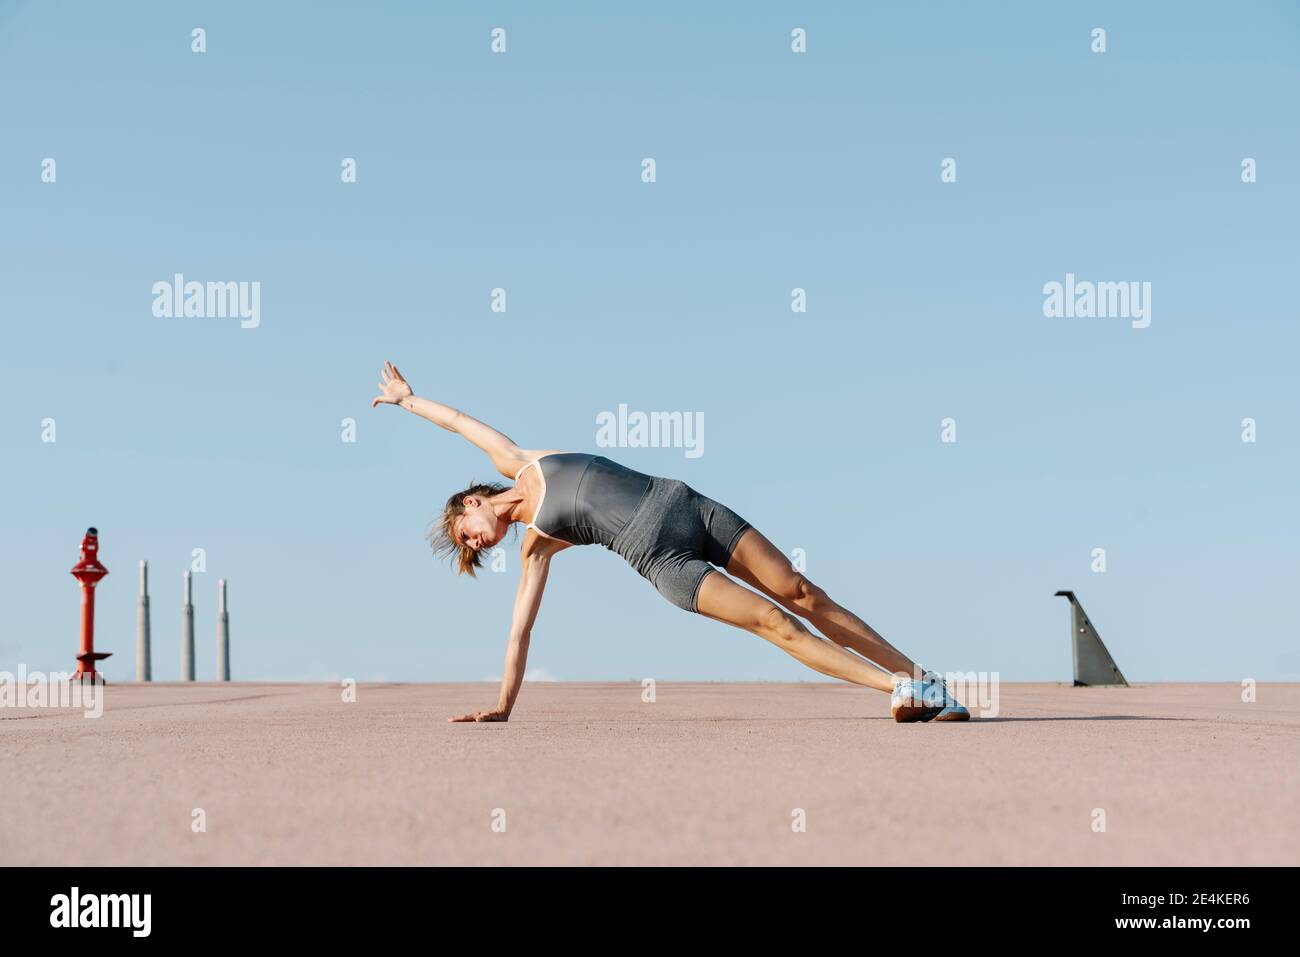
(1093, 664)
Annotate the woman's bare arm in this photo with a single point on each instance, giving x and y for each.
(535, 557)
(507, 458)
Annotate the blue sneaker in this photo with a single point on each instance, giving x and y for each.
(915, 700)
(950, 709)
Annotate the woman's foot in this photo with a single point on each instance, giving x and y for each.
(952, 709)
(952, 712)
(914, 700)
(926, 699)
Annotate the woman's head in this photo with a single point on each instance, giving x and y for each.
(469, 524)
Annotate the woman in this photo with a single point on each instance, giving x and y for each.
(672, 535)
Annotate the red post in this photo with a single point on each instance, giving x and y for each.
(89, 571)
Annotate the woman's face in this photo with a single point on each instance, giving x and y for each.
(479, 526)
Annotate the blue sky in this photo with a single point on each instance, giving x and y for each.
(774, 170)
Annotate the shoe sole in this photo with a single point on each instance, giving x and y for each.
(908, 713)
(952, 716)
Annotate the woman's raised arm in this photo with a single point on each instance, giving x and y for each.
(507, 458)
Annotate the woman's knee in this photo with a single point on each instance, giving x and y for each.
(800, 591)
(777, 625)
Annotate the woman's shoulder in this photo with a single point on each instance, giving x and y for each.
(529, 457)
(532, 455)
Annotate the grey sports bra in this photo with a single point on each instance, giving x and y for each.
(586, 499)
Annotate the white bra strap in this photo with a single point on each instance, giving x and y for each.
(542, 477)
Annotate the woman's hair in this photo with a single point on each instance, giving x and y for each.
(466, 559)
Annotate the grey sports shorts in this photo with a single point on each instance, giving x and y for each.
(675, 537)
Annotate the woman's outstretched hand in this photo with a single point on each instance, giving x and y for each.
(493, 715)
(392, 387)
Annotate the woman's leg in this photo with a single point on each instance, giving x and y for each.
(721, 598)
(757, 561)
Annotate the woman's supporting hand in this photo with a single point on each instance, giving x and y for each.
(392, 387)
(493, 715)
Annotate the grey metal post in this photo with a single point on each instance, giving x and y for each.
(142, 651)
(187, 635)
(1093, 664)
(223, 634)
